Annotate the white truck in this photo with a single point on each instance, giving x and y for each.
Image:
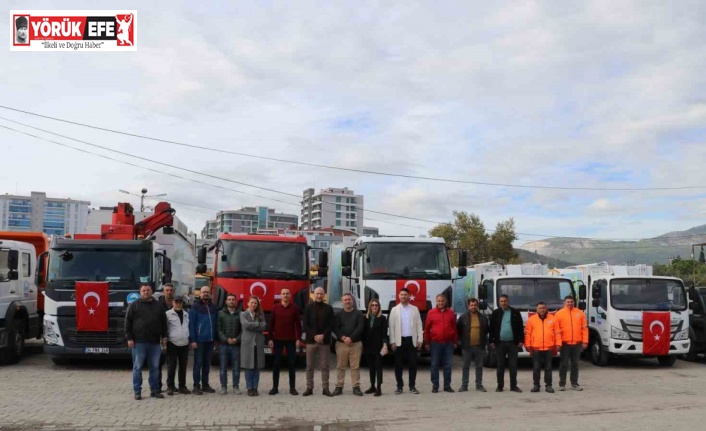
(21, 304)
(379, 267)
(525, 285)
(620, 297)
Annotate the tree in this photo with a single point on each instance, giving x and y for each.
(467, 231)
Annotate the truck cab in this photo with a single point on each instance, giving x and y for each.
(697, 322)
(525, 285)
(620, 295)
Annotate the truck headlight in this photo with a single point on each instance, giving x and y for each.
(49, 334)
(682, 335)
(618, 334)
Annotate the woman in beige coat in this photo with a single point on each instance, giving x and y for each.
(252, 344)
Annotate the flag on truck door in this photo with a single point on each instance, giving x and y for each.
(417, 292)
(656, 332)
(92, 306)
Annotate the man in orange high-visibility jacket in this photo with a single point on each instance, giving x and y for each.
(542, 339)
(574, 338)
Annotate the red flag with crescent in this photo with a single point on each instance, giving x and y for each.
(417, 292)
(656, 332)
(92, 306)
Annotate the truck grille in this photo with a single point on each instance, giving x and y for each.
(114, 337)
(634, 328)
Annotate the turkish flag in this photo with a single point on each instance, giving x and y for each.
(656, 332)
(92, 306)
(417, 292)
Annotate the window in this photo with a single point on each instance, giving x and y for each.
(25, 265)
(323, 244)
(338, 215)
(338, 222)
(338, 199)
(338, 208)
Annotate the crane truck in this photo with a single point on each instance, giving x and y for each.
(630, 310)
(124, 255)
(22, 258)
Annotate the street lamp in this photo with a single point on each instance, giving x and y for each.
(142, 197)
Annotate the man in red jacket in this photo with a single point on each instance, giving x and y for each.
(285, 331)
(441, 338)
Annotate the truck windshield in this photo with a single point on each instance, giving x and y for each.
(130, 266)
(647, 294)
(264, 259)
(525, 293)
(384, 260)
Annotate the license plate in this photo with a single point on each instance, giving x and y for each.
(268, 351)
(98, 350)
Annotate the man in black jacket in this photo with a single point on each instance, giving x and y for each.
(145, 328)
(317, 325)
(506, 335)
(472, 329)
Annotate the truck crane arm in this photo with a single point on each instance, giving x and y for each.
(163, 217)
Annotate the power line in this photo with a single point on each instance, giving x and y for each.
(263, 188)
(363, 171)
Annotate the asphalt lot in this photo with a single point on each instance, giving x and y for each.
(628, 394)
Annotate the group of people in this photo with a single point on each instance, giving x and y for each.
(155, 325)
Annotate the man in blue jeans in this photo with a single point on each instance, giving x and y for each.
(229, 332)
(145, 329)
(441, 338)
(202, 335)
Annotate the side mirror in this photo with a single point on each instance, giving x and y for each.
(224, 258)
(596, 291)
(582, 292)
(482, 292)
(323, 272)
(462, 259)
(13, 275)
(13, 260)
(596, 302)
(201, 268)
(582, 306)
(346, 271)
(346, 258)
(482, 305)
(167, 278)
(323, 260)
(202, 255)
(462, 271)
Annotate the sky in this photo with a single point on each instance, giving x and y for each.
(592, 94)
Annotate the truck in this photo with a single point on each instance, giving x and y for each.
(621, 297)
(379, 267)
(261, 265)
(525, 285)
(697, 322)
(21, 283)
(124, 254)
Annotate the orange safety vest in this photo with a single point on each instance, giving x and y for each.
(573, 326)
(542, 334)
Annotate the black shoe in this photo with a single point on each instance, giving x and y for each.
(398, 391)
(273, 391)
(170, 391)
(434, 390)
(498, 389)
(197, 390)
(208, 389)
(480, 388)
(251, 392)
(449, 389)
(357, 391)
(549, 389)
(138, 396)
(255, 393)
(293, 391)
(516, 389)
(156, 394)
(371, 390)
(463, 389)
(327, 393)
(184, 391)
(414, 391)
(309, 391)
(337, 392)
(534, 389)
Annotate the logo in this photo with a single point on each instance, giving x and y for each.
(132, 297)
(258, 284)
(73, 30)
(25, 289)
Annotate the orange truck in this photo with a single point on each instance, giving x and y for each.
(22, 266)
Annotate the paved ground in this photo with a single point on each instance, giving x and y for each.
(37, 395)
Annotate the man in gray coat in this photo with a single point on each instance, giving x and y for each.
(229, 333)
(252, 344)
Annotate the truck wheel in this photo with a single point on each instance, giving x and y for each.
(667, 360)
(15, 343)
(599, 355)
(693, 354)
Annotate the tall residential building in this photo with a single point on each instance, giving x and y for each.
(332, 208)
(210, 230)
(249, 219)
(38, 213)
